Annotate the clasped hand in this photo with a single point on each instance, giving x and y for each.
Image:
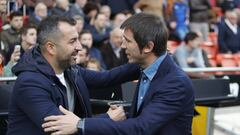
(67, 123)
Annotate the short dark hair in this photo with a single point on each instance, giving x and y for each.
(48, 29)
(85, 31)
(15, 14)
(90, 6)
(146, 28)
(26, 27)
(190, 36)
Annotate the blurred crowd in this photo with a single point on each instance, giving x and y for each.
(201, 32)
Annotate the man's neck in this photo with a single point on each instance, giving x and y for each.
(148, 61)
(53, 64)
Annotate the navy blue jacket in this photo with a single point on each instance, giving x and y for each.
(167, 107)
(38, 92)
(227, 40)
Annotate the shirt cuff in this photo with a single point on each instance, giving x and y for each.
(81, 126)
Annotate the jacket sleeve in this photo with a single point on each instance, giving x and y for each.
(164, 106)
(116, 76)
(33, 98)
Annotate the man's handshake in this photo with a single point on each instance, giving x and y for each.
(67, 123)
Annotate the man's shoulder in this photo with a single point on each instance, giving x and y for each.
(31, 77)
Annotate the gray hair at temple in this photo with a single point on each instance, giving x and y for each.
(48, 29)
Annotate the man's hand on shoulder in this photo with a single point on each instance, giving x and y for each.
(61, 124)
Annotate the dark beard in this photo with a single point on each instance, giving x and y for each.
(64, 64)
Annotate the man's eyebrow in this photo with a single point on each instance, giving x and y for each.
(126, 37)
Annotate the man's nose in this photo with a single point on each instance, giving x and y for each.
(123, 45)
(78, 46)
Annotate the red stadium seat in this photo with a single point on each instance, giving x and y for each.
(210, 48)
(227, 60)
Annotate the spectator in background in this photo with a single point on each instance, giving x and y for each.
(112, 53)
(229, 33)
(83, 56)
(228, 5)
(99, 30)
(105, 9)
(119, 6)
(11, 36)
(79, 22)
(85, 38)
(3, 11)
(61, 8)
(40, 12)
(113, 56)
(3, 6)
(90, 10)
(77, 8)
(199, 17)
(3, 20)
(180, 14)
(118, 19)
(28, 41)
(93, 64)
(33, 3)
(190, 54)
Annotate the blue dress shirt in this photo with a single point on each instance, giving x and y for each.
(147, 76)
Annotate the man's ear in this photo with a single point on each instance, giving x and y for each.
(149, 47)
(50, 48)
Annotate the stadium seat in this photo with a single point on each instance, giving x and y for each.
(227, 60)
(210, 48)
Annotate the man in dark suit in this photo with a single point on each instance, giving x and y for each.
(48, 77)
(164, 100)
(112, 53)
(229, 34)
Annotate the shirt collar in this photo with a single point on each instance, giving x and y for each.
(151, 70)
(114, 47)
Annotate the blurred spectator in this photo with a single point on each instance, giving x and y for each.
(40, 12)
(83, 56)
(11, 36)
(90, 10)
(3, 10)
(118, 20)
(199, 17)
(77, 8)
(150, 6)
(118, 6)
(61, 8)
(105, 9)
(228, 5)
(99, 30)
(180, 14)
(33, 3)
(3, 6)
(112, 53)
(190, 54)
(93, 64)
(229, 34)
(28, 40)
(86, 38)
(79, 22)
